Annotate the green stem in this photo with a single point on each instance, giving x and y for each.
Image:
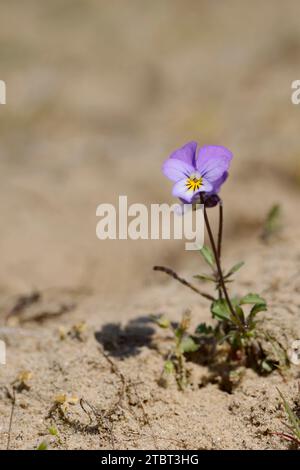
(220, 237)
(221, 278)
(172, 273)
(220, 233)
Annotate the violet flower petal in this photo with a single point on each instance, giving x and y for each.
(176, 170)
(218, 183)
(187, 153)
(213, 161)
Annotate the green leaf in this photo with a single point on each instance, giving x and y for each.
(273, 214)
(278, 351)
(43, 446)
(53, 431)
(235, 268)
(187, 345)
(204, 329)
(256, 309)
(169, 367)
(272, 223)
(240, 313)
(266, 366)
(220, 310)
(293, 419)
(235, 301)
(162, 321)
(208, 255)
(259, 305)
(252, 299)
(204, 277)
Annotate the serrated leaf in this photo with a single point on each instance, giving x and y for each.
(204, 277)
(204, 329)
(187, 345)
(235, 268)
(208, 255)
(252, 299)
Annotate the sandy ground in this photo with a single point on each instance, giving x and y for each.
(99, 93)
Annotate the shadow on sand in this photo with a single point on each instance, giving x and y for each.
(125, 341)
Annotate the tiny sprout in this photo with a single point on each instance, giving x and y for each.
(293, 428)
(53, 431)
(43, 446)
(183, 343)
(272, 224)
(22, 382)
(63, 399)
(60, 399)
(169, 367)
(62, 403)
(77, 331)
(62, 332)
(163, 322)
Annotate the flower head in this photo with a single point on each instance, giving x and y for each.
(198, 172)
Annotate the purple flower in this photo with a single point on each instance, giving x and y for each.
(193, 174)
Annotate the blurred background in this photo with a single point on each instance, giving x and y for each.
(100, 92)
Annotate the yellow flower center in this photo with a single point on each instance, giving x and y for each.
(194, 182)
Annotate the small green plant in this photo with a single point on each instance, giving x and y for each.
(236, 316)
(293, 428)
(237, 329)
(198, 177)
(175, 363)
(42, 446)
(272, 224)
(53, 431)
